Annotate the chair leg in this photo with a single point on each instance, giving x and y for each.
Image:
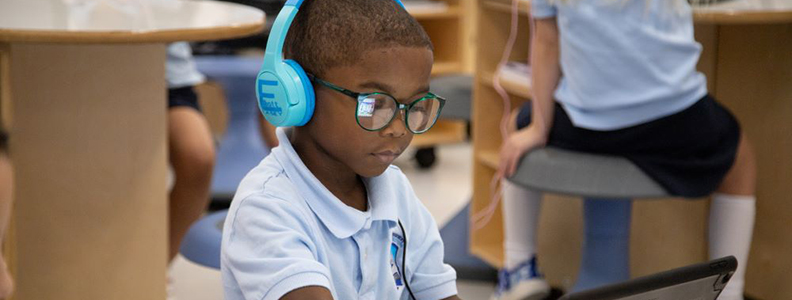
(606, 245)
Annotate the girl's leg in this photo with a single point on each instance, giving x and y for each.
(6, 194)
(192, 156)
(267, 131)
(520, 278)
(521, 208)
(732, 215)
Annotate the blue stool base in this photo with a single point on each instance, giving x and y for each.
(606, 244)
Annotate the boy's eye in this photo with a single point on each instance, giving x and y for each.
(367, 107)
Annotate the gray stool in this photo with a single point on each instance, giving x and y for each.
(458, 89)
(608, 184)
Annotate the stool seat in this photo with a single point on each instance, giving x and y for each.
(458, 89)
(201, 245)
(562, 171)
(608, 184)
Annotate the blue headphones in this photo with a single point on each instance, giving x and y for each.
(284, 92)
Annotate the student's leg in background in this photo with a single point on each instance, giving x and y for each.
(520, 278)
(192, 156)
(732, 215)
(6, 194)
(267, 131)
(521, 207)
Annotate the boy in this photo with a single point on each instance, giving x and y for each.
(325, 216)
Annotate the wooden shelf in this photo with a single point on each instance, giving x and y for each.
(491, 256)
(444, 132)
(446, 26)
(492, 31)
(441, 68)
(514, 90)
(425, 15)
(490, 158)
(524, 7)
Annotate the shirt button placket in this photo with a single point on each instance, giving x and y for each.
(366, 267)
(361, 245)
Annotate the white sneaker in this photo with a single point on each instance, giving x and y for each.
(521, 283)
(170, 290)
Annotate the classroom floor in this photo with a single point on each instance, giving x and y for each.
(444, 189)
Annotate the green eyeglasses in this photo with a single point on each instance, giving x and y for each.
(376, 111)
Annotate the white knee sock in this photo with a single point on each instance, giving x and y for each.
(521, 208)
(731, 223)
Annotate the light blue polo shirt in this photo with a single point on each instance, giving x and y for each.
(624, 62)
(285, 230)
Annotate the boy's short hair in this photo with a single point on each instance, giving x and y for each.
(334, 33)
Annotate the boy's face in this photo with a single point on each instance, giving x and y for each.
(402, 72)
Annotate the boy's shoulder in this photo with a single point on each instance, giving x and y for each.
(268, 192)
(268, 177)
(268, 187)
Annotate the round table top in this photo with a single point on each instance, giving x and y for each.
(745, 12)
(124, 21)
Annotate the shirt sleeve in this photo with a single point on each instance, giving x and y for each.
(268, 250)
(541, 9)
(180, 68)
(429, 276)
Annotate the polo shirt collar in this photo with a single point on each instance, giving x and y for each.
(342, 220)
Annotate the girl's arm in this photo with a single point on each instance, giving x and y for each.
(546, 74)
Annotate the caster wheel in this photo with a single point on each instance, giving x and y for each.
(425, 157)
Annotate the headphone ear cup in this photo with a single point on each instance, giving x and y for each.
(285, 94)
(272, 98)
(304, 87)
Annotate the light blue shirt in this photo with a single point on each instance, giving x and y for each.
(624, 62)
(180, 69)
(285, 231)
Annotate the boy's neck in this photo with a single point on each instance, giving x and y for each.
(338, 178)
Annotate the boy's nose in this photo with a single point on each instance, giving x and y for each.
(397, 128)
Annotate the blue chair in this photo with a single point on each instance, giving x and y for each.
(608, 184)
(201, 245)
(242, 147)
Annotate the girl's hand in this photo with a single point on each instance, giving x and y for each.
(516, 145)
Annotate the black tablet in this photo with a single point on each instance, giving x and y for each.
(703, 281)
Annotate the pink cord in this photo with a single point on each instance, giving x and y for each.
(482, 218)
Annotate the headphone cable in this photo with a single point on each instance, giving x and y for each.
(404, 261)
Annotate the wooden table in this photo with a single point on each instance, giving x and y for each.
(82, 88)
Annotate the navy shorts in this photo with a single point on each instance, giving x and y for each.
(3, 142)
(183, 96)
(688, 153)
